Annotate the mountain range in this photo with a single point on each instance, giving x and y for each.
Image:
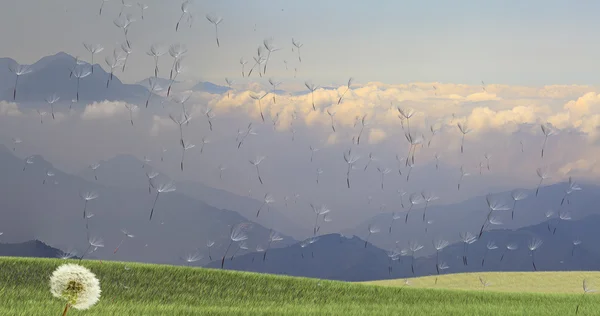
(337, 257)
(53, 212)
(51, 75)
(125, 171)
(470, 214)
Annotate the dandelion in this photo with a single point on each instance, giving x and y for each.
(548, 130)
(268, 43)
(28, 161)
(273, 237)
(243, 62)
(163, 188)
(312, 88)
(427, 197)
(93, 242)
(572, 188)
(51, 100)
(93, 49)
(494, 204)
(439, 245)
(407, 114)
(143, 7)
(415, 198)
(192, 257)
(533, 245)
(467, 238)
(19, 70)
(511, 247)
(156, 51)
(102, 6)
(16, 141)
(75, 284)
(414, 247)
(464, 130)
(543, 175)
(350, 160)
(80, 72)
(414, 141)
(184, 10)
(363, 123)
(151, 175)
(268, 200)
(238, 234)
(215, 20)
(255, 162)
(347, 89)
(298, 45)
(484, 283)
(490, 246)
(331, 115)
(322, 210)
(372, 230)
(209, 244)
(517, 195)
(49, 174)
(259, 98)
(576, 243)
(586, 289)
(125, 235)
(131, 108)
(94, 167)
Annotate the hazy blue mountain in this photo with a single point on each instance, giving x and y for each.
(163, 82)
(125, 171)
(209, 87)
(51, 75)
(340, 258)
(7, 78)
(53, 212)
(245, 206)
(331, 257)
(31, 248)
(469, 215)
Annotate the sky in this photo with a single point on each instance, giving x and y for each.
(500, 68)
(507, 42)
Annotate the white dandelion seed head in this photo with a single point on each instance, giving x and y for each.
(75, 284)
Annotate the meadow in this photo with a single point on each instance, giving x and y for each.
(562, 282)
(147, 289)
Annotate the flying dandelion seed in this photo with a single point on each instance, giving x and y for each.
(215, 20)
(163, 188)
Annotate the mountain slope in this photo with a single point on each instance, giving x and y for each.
(54, 213)
(51, 75)
(125, 171)
(339, 258)
(331, 257)
(469, 215)
(205, 86)
(31, 248)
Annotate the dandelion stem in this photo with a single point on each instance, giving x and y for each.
(66, 309)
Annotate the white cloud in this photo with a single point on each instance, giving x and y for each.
(160, 124)
(9, 109)
(103, 110)
(376, 135)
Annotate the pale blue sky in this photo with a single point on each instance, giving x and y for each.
(512, 42)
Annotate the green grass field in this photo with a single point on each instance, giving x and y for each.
(146, 289)
(532, 282)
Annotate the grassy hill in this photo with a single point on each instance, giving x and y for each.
(533, 282)
(144, 289)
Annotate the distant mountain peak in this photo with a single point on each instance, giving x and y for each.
(210, 87)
